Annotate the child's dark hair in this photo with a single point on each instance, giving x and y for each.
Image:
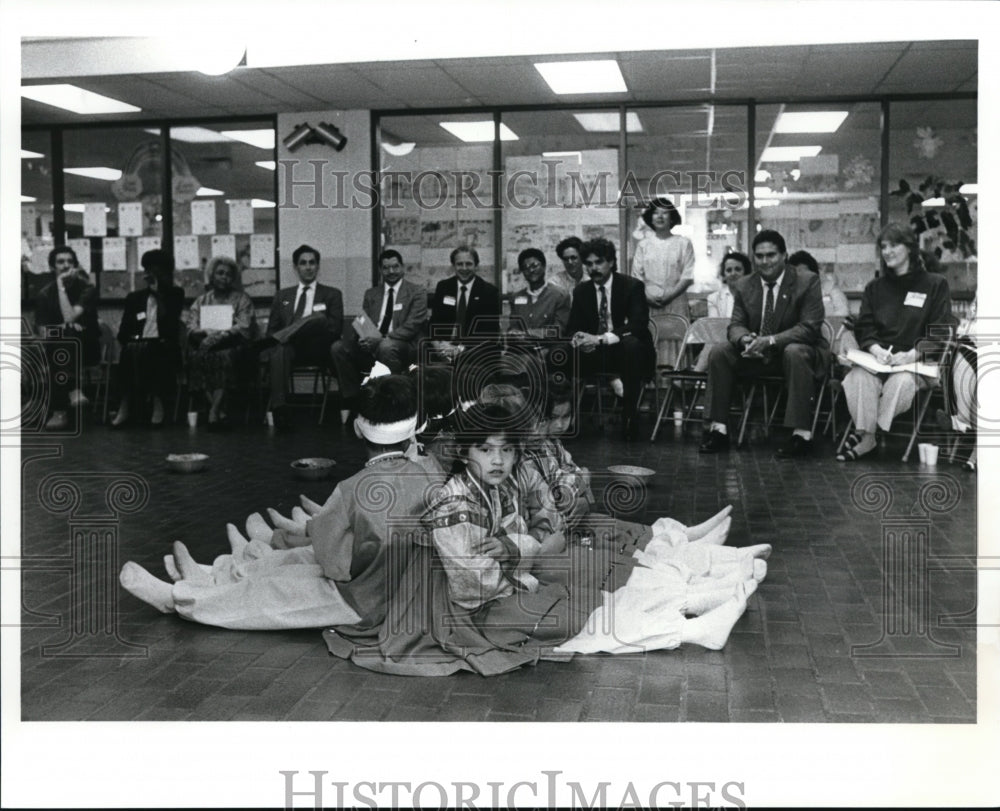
(435, 393)
(387, 399)
(557, 392)
(480, 422)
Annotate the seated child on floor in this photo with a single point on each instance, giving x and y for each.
(345, 564)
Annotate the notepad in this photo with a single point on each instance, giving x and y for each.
(216, 316)
(867, 360)
(365, 328)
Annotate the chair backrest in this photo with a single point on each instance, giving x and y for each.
(667, 324)
(108, 342)
(705, 331)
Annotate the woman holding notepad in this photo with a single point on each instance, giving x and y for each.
(221, 323)
(897, 310)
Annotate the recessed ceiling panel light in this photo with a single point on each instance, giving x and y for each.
(76, 99)
(26, 199)
(810, 122)
(96, 172)
(205, 191)
(476, 131)
(399, 150)
(269, 165)
(79, 208)
(608, 122)
(194, 135)
(260, 138)
(256, 202)
(589, 76)
(789, 154)
(969, 188)
(27, 154)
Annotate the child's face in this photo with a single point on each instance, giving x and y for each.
(492, 460)
(558, 421)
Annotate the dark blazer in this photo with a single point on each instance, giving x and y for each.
(629, 310)
(168, 315)
(327, 301)
(410, 310)
(482, 312)
(798, 309)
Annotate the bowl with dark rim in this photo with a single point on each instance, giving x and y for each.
(313, 468)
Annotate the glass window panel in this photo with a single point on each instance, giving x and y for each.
(37, 238)
(560, 179)
(932, 182)
(214, 166)
(437, 192)
(826, 203)
(112, 166)
(696, 157)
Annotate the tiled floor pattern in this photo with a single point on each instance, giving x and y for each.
(789, 659)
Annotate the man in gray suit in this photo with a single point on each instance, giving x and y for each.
(393, 321)
(776, 329)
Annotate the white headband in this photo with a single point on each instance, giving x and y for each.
(389, 433)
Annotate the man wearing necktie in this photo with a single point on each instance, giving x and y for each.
(465, 319)
(609, 325)
(394, 313)
(304, 322)
(776, 329)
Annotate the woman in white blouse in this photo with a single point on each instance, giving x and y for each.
(664, 262)
(735, 266)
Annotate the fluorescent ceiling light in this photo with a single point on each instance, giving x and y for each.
(76, 99)
(608, 122)
(810, 122)
(762, 176)
(934, 202)
(399, 150)
(26, 199)
(96, 172)
(577, 155)
(260, 138)
(80, 207)
(269, 165)
(205, 191)
(969, 188)
(789, 154)
(258, 203)
(590, 76)
(194, 135)
(766, 203)
(476, 131)
(27, 153)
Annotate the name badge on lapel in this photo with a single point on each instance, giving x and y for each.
(521, 300)
(397, 308)
(915, 299)
(140, 316)
(319, 308)
(448, 301)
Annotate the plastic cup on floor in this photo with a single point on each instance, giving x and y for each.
(922, 451)
(270, 419)
(192, 419)
(678, 419)
(931, 455)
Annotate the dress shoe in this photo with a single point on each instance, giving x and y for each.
(797, 446)
(713, 442)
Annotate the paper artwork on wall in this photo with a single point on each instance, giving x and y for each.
(113, 249)
(95, 220)
(240, 217)
(262, 251)
(224, 245)
(203, 216)
(144, 244)
(186, 252)
(130, 219)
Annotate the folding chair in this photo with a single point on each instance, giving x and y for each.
(99, 376)
(704, 331)
(923, 397)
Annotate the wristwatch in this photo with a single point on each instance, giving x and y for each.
(771, 342)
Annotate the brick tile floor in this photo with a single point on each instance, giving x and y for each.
(789, 659)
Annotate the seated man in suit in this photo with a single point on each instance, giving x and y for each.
(539, 314)
(609, 322)
(304, 322)
(465, 317)
(776, 329)
(395, 312)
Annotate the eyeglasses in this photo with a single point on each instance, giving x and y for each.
(534, 266)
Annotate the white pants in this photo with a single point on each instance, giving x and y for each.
(276, 590)
(876, 399)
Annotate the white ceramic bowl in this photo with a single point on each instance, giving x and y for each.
(187, 462)
(313, 468)
(643, 474)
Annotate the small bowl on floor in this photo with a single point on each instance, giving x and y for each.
(312, 468)
(633, 474)
(187, 462)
